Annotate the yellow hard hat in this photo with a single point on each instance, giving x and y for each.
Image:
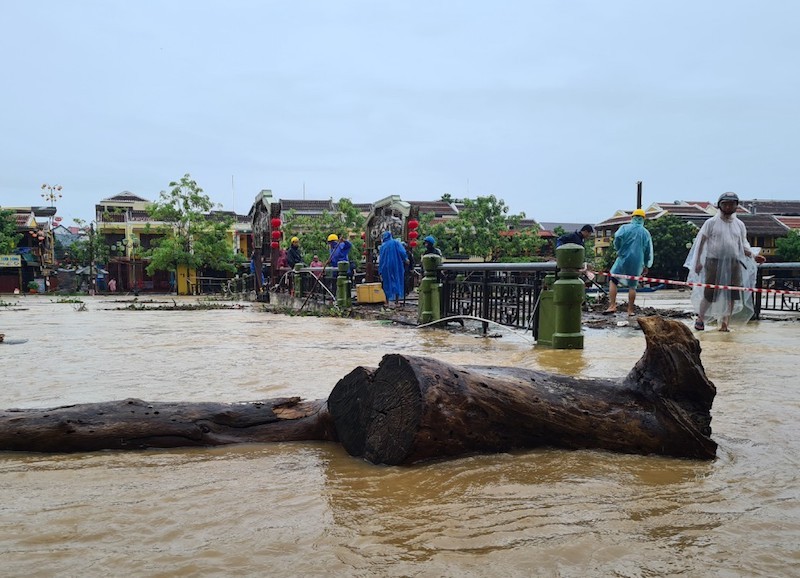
(295, 240)
(639, 213)
(332, 237)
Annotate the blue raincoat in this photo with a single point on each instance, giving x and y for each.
(391, 267)
(634, 251)
(339, 251)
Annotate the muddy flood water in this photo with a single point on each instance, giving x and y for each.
(306, 509)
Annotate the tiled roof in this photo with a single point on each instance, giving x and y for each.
(701, 204)
(23, 219)
(568, 227)
(687, 213)
(303, 206)
(528, 223)
(438, 208)
(684, 209)
(770, 207)
(763, 225)
(619, 220)
(126, 196)
(791, 222)
(229, 214)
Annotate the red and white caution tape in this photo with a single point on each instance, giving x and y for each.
(708, 285)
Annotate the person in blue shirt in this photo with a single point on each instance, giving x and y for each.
(392, 261)
(339, 251)
(634, 257)
(578, 237)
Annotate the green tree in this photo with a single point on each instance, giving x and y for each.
(672, 238)
(788, 247)
(190, 236)
(444, 241)
(88, 248)
(9, 237)
(484, 228)
(313, 231)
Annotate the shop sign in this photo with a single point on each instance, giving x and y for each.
(10, 261)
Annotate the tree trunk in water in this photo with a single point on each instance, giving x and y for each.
(134, 424)
(411, 409)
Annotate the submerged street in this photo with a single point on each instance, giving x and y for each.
(311, 509)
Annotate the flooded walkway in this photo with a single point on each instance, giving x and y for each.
(310, 509)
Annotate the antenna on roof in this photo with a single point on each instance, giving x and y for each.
(233, 193)
(638, 194)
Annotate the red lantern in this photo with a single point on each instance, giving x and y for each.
(274, 244)
(412, 244)
(363, 235)
(276, 223)
(276, 235)
(413, 224)
(413, 234)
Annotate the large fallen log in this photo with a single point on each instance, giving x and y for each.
(411, 409)
(132, 424)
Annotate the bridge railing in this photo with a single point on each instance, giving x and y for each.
(505, 293)
(780, 277)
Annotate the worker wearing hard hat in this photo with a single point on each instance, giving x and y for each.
(293, 255)
(634, 247)
(339, 250)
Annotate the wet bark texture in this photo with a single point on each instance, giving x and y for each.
(136, 424)
(412, 409)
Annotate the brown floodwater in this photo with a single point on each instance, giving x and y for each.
(306, 509)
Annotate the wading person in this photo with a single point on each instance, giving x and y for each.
(392, 261)
(634, 257)
(721, 255)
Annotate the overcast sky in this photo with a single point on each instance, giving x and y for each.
(557, 107)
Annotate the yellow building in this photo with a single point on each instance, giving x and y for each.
(126, 228)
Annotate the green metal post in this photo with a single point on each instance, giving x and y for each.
(429, 305)
(297, 280)
(547, 313)
(568, 296)
(343, 297)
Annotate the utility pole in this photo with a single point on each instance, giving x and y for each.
(638, 194)
(92, 275)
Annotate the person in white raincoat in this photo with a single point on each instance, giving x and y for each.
(721, 255)
(634, 247)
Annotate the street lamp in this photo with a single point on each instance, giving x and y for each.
(52, 194)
